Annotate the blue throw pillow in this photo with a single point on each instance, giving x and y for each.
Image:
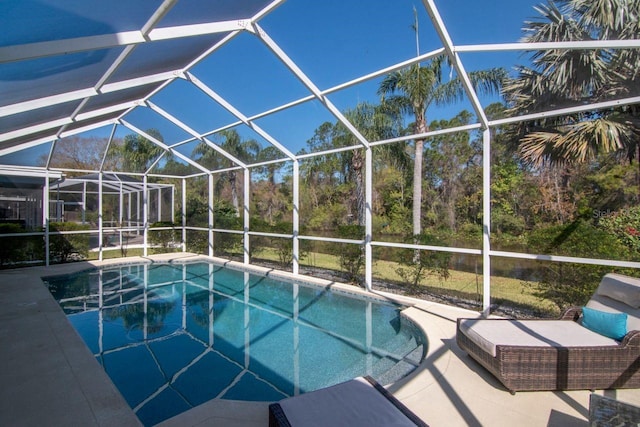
(612, 325)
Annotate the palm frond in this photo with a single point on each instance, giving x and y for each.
(576, 143)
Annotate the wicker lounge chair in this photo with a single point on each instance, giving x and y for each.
(564, 354)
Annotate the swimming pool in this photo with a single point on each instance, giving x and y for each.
(173, 336)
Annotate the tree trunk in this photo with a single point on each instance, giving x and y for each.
(637, 174)
(357, 164)
(234, 193)
(417, 187)
(421, 127)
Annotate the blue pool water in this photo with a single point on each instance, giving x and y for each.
(173, 336)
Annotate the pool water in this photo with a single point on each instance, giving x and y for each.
(173, 336)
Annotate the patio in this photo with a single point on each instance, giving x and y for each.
(56, 381)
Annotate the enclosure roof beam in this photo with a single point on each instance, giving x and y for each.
(300, 75)
(563, 45)
(382, 72)
(58, 126)
(105, 41)
(160, 12)
(163, 146)
(569, 110)
(443, 33)
(13, 170)
(193, 133)
(223, 102)
(76, 95)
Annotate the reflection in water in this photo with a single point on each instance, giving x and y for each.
(174, 336)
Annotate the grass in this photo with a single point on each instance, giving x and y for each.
(470, 285)
(514, 292)
(115, 253)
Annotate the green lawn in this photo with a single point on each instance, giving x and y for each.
(504, 290)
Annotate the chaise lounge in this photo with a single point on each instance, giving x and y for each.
(591, 347)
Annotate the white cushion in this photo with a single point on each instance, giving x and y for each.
(490, 333)
(620, 288)
(350, 404)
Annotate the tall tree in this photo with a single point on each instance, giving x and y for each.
(447, 159)
(413, 90)
(374, 124)
(137, 153)
(77, 152)
(231, 141)
(566, 77)
(318, 172)
(270, 201)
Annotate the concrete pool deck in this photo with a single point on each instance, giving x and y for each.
(49, 377)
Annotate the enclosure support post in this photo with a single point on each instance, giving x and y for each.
(245, 227)
(210, 238)
(45, 218)
(58, 210)
(486, 222)
(184, 215)
(138, 211)
(173, 204)
(84, 202)
(296, 216)
(120, 215)
(159, 214)
(100, 239)
(145, 216)
(368, 219)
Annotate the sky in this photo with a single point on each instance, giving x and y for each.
(332, 42)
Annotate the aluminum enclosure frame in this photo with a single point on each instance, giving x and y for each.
(84, 118)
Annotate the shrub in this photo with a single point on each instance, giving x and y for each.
(11, 247)
(197, 241)
(164, 238)
(625, 225)
(572, 284)
(418, 265)
(352, 256)
(62, 246)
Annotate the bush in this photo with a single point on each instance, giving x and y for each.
(13, 248)
(418, 265)
(352, 256)
(572, 284)
(164, 238)
(198, 242)
(62, 246)
(625, 225)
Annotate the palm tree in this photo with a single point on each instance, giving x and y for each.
(560, 78)
(413, 90)
(233, 144)
(137, 153)
(374, 123)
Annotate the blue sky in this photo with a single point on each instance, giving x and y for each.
(332, 41)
